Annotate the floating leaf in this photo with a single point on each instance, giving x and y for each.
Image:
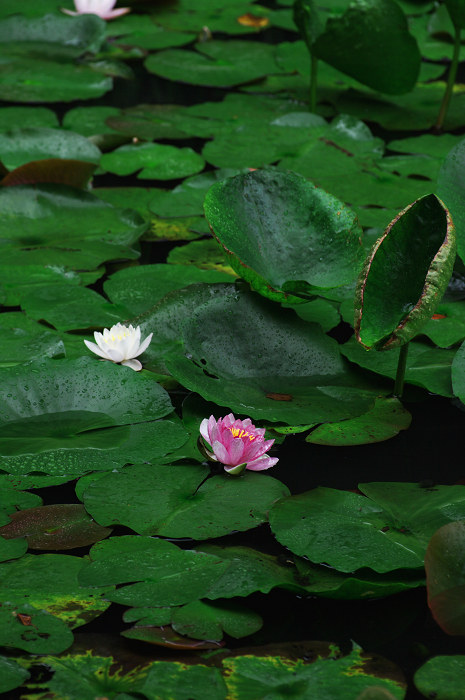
(211, 64)
(252, 677)
(442, 678)
(48, 582)
(12, 674)
(383, 421)
(35, 631)
(414, 260)
(283, 233)
(72, 173)
(181, 505)
(54, 527)
(155, 161)
(22, 145)
(184, 682)
(450, 187)
(203, 620)
(388, 530)
(166, 637)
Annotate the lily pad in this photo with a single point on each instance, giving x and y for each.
(22, 626)
(12, 674)
(204, 620)
(34, 219)
(54, 527)
(212, 63)
(280, 231)
(383, 421)
(154, 161)
(22, 145)
(441, 678)
(181, 505)
(48, 583)
(388, 528)
(287, 370)
(414, 259)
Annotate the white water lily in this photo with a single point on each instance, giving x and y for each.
(102, 8)
(120, 344)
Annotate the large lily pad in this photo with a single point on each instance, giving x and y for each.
(215, 63)
(154, 161)
(414, 260)
(280, 231)
(58, 225)
(285, 370)
(388, 530)
(48, 582)
(22, 145)
(441, 677)
(181, 505)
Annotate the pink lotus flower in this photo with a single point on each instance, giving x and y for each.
(102, 8)
(237, 444)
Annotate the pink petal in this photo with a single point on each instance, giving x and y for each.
(262, 463)
(220, 452)
(116, 13)
(236, 452)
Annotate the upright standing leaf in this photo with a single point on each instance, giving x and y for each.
(405, 275)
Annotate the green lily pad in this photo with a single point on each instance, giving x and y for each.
(287, 370)
(78, 34)
(89, 121)
(217, 15)
(22, 340)
(54, 527)
(445, 579)
(155, 161)
(49, 583)
(187, 198)
(426, 366)
(371, 42)
(203, 620)
(12, 674)
(388, 530)
(180, 506)
(33, 117)
(280, 231)
(139, 288)
(87, 676)
(23, 626)
(165, 574)
(385, 420)
(22, 145)
(213, 63)
(12, 549)
(254, 677)
(205, 255)
(144, 32)
(68, 307)
(33, 219)
(441, 678)
(414, 260)
(446, 327)
(184, 682)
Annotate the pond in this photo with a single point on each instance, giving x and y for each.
(220, 208)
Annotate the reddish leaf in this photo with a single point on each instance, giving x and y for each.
(445, 577)
(61, 171)
(167, 637)
(55, 527)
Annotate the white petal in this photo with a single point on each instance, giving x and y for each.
(133, 364)
(204, 430)
(144, 345)
(115, 355)
(95, 348)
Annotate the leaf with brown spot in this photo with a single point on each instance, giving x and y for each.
(250, 20)
(55, 527)
(279, 397)
(74, 173)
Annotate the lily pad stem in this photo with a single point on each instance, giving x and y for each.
(313, 82)
(450, 81)
(400, 375)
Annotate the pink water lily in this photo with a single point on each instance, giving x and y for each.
(120, 344)
(102, 8)
(237, 444)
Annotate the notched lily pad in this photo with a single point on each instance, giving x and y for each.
(405, 275)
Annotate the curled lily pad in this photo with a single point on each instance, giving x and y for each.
(282, 234)
(405, 275)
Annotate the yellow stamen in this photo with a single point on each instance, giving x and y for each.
(241, 433)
